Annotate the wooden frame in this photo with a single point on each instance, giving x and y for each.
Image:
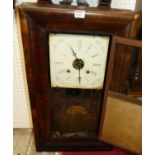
(124, 41)
(37, 21)
(130, 43)
(117, 138)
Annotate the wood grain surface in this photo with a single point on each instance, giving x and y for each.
(37, 21)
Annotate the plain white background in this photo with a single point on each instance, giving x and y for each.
(6, 78)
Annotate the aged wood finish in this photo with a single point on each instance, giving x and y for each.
(125, 98)
(126, 41)
(136, 79)
(107, 81)
(110, 73)
(37, 21)
(124, 59)
(97, 20)
(123, 124)
(122, 65)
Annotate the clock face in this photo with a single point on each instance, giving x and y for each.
(78, 61)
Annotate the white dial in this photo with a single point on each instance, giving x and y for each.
(78, 61)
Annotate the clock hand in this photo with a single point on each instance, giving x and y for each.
(74, 54)
(78, 64)
(79, 77)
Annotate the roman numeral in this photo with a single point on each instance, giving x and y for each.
(62, 71)
(59, 63)
(95, 55)
(79, 44)
(88, 48)
(96, 65)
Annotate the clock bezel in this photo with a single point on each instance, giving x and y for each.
(37, 21)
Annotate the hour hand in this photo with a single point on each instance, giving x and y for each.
(74, 54)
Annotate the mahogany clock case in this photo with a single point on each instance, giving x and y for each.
(37, 22)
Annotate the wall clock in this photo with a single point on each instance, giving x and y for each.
(68, 63)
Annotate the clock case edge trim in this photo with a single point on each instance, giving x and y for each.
(100, 20)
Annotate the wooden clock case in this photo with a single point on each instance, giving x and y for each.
(37, 21)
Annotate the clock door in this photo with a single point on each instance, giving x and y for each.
(77, 72)
(122, 125)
